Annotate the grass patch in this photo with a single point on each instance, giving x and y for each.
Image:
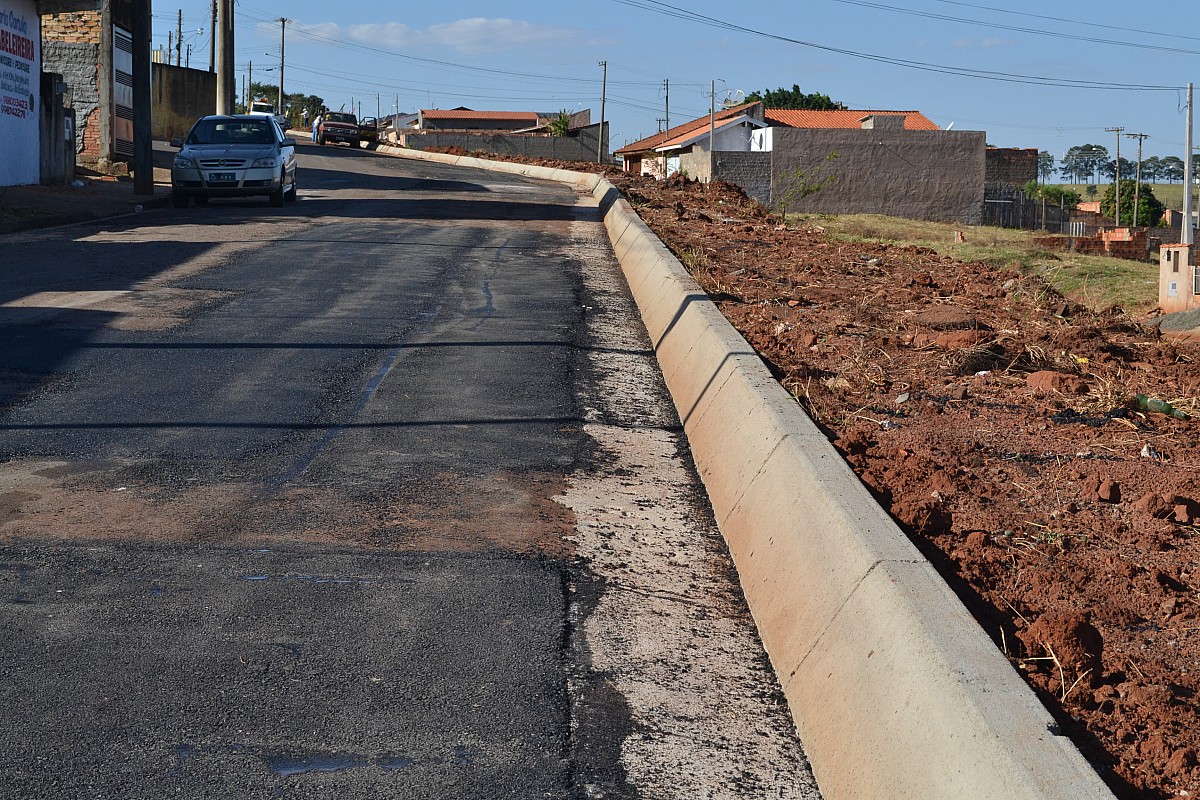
(1097, 282)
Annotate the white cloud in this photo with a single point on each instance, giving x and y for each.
(475, 35)
(973, 44)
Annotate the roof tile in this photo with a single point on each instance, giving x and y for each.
(802, 118)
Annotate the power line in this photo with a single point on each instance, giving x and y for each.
(1016, 28)
(302, 31)
(1076, 22)
(669, 10)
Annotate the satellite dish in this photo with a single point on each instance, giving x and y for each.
(951, 125)
(733, 97)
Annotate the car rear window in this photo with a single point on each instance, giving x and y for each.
(336, 117)
(212, 131)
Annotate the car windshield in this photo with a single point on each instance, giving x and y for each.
(231, 131)
(334, 116)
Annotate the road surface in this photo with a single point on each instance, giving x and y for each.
(376, 495)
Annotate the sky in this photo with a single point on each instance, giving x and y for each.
(1029, 73)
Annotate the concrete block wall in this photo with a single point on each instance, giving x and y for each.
(933, 175)
(751, 171)
(71, 47)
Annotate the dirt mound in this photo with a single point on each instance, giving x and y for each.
(1000, 424)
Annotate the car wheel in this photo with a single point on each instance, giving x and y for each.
(320, 140)
(290, 195)
(179, 200)
(277, 195)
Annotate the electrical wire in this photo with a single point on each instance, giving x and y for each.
(1016, 28)
(669, 10)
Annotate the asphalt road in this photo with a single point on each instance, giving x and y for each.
(282, 506)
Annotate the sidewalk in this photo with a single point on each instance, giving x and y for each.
(25, 207)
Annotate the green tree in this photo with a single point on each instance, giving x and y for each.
(1083, 161)
(1128, 169)
(794, 98)
(1052, 194)
(1150, 208)
(1172, 168)
(560, 125)
(1046, 165)
(1152, 169)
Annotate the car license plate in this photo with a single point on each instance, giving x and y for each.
(221, 177)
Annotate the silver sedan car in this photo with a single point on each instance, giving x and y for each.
(234, 156)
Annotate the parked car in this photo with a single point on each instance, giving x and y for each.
(234, 156)
(368, 131)
(337, 126)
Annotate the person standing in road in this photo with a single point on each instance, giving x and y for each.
(316, 124)
(304, 113)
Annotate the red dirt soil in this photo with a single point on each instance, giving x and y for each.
(999, 424)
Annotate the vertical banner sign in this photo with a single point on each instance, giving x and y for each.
(20, 85)
(122, 92)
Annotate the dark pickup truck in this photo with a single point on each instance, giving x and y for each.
(338, 127)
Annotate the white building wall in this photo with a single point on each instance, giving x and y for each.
(761, 140)
(20, 87)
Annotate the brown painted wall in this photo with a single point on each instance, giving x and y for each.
(934, 175)
(180, 97)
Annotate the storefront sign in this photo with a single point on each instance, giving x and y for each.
(20, 82)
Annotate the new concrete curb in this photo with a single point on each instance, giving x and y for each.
(895, 690)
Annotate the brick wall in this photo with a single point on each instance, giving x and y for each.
(76, 26)
(934, 175)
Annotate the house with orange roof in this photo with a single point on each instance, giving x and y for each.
(660, 154)
(848, 119)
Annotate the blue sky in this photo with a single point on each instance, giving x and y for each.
(542, 56)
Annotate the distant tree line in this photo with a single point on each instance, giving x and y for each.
(1088, 163)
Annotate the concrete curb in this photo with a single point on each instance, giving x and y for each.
(895, 690)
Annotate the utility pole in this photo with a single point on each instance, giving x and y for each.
(226, 79)
(170, 44)
(1185, 230)
(1117, 177)
(603, 97)
(141, 32)
(378, 110)
(179, 38)
(712, 126)
(187, 62)
(283, 21)
(667, 102)
(666, 120)
(212, 40)
(245, 104)
(1137, 175)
